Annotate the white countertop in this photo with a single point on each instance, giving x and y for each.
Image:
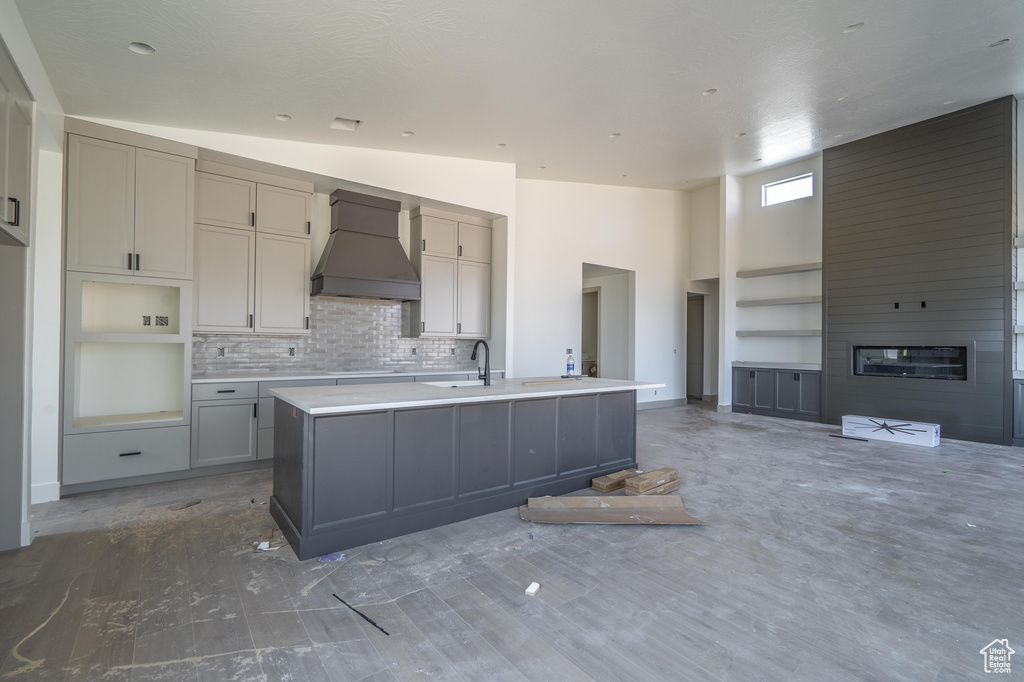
(228, 378)
(364, 397)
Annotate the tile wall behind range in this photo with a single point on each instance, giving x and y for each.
(346, 334)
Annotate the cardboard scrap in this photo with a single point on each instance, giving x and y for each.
(641, 483)
(610, 482)
(641, 509)
(669, 487)
(267, 541)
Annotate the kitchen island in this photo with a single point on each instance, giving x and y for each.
(358, 464)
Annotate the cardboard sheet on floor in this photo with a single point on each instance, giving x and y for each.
(641, 509)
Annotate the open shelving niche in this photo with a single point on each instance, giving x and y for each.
(128, 352)
(784, 301)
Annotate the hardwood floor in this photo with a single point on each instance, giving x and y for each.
(821, 559)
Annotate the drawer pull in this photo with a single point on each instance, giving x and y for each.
(130, 454)
(226, 390)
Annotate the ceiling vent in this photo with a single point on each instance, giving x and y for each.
(340, 123)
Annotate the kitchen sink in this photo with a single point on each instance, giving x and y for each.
(453, 384)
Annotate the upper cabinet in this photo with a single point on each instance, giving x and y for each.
(252, 252)
(129, 210)
(452, 256)
(16, 130)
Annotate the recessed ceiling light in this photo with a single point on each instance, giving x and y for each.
(709, 91)
(615, 135)
(141, 48)
(1000, 42)
(541, 167)
(407, 133)
(740, 134)
(624, 175)
(283, 117)
(854, 27)
(500, 145)
(349, 124)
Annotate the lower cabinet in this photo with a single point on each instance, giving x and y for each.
(793, 394)
(223, 431)
(1018, 412)
(110, 455)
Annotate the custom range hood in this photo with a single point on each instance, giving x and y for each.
(363, 257)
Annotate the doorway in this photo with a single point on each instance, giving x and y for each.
(590, 340)
(608, 322)
(695, 346)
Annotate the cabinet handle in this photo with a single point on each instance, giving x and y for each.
(252, 219)
(307, 321)
(423, 326)
(17, 212)
(459, 328)
(130, 454)
(752, 374)
(309, 227)
(138, 262)
(424, 244)
(129, 261)
(226, 390)
(460, 250)
(254, 410)
(250, 321)
(796, 377)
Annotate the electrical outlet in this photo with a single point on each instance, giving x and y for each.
(453, 351)
(655, 391)
(568, 351)
(220, 352)
(145, 320)
(414, 351)
(291, 352)
(161, 320)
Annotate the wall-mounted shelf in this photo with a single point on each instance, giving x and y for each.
(777, 332)
(780, 270)
(1019, 329)
(795, 300)
(1018, 242)
(1017, 286)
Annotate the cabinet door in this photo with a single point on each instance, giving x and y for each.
(439, 237)
(164, 190)
(223, 431)
(742, 387)
(224, 279)
(474, 299)
(225, 202)
(100, 205)
(787, 391)
(438, 295)
(282, 211)
(19, 171)
(764, 389)
(810, 394)
(8, 88)
(475, 243)
(282, 284)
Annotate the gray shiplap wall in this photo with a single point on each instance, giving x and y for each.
(923, 213)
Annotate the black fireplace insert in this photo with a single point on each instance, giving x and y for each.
(911, 362)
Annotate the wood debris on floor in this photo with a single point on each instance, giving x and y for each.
(613, 481)
(640, 509)
(657, 482)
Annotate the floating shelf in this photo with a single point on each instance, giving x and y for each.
(120, 419)
(778, 332)
(1017, 286)
(781, 270)
(1019, 329)
(1018, 242)
(796, 300)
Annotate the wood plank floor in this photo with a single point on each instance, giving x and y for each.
(821, 559)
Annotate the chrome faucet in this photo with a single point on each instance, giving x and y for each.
(486, 374)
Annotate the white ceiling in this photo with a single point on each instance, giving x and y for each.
(551, 80)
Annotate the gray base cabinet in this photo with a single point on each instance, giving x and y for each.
(111, 455)
(223, 431)
(792, 394)
(1018, 412)
(345, 480)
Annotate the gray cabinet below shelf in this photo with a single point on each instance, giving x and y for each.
(787, 393)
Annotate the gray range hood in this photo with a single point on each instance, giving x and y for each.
(363, 257)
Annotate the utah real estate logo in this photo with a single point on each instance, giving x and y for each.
(997, 656)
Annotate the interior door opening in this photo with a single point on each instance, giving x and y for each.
(608, 322)
(695, 346)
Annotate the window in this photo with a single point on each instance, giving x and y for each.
(787, 190)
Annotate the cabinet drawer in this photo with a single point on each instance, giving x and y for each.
(225, 391)
(102, 456)
(267, 386)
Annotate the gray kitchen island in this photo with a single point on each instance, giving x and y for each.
(358, 464)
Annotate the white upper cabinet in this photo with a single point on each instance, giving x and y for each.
(474, 299)
(100, 206)
(16, 129)
(225, 277)
(439, 237)
(225, 202)
(163, 214)
(474, 243)
(282, 284)
(282, 211)
(129, 210)
(438, 293)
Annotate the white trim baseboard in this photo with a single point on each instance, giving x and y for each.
(45, 492)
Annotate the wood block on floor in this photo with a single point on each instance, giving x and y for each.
(643, 509)
(610, 482)
(650, 479)
(669, 487)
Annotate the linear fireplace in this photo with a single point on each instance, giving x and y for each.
(912, 362)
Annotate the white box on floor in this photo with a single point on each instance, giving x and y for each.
(893, 430)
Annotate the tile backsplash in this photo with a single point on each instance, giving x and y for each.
(346, 334)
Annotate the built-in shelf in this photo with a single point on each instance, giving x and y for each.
(1017, 286)
(1018, 242)
(796, 300)
(778, 332)
(1019, 329)
(780, 270)
(120, 419)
